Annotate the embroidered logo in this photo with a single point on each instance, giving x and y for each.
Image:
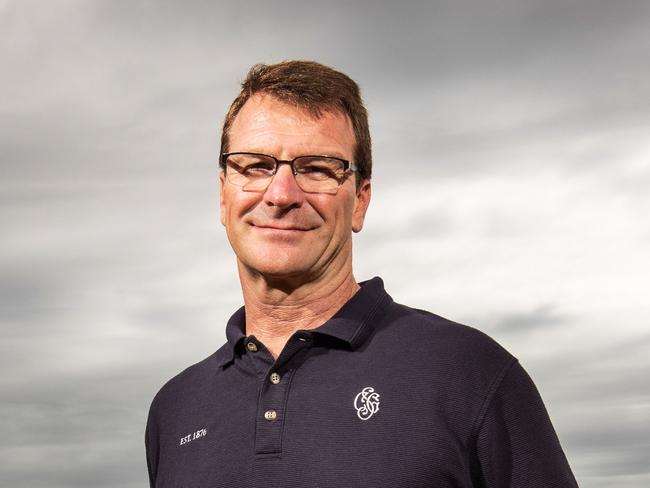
(193, 435)
(367, 403)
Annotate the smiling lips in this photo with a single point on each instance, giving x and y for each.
(283, 228)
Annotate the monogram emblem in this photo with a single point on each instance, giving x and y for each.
(367, 403)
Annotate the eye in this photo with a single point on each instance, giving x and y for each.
(264, 167)
(319, 167)
(252, 165)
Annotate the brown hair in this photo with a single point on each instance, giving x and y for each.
(315, 88)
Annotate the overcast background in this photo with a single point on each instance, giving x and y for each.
(511, 193)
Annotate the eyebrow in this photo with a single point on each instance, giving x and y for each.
(333, 154)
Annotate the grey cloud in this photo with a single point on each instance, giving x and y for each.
(542, 316)
(115, 271)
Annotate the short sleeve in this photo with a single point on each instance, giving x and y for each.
(516, 444)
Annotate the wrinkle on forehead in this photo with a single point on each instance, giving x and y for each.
(266, 124)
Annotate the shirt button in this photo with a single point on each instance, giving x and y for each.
(305, 338)
(270, 415)
(275, 378)
(251, 346)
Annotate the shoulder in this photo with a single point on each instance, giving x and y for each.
(460, 350)
(415, 323)
(189, 383)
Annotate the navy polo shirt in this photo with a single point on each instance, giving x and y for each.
(381, 395)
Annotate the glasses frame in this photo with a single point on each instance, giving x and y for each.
(348, 166)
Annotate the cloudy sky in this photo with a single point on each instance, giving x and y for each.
(511, 193)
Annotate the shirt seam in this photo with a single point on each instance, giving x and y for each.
(494, 386)
(377, 306)
(286, 411)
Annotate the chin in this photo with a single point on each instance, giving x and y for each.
(283, 270)
(279, 265)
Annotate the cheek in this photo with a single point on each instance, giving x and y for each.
(336, 210)
(235, 205)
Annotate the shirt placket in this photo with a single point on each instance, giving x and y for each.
(274, 390)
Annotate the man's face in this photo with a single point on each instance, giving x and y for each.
(283, 231)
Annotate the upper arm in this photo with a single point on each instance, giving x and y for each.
(516, 444)
(151, 448)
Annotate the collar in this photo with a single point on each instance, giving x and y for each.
(351, 325)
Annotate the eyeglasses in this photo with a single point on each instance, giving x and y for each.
(314, 174)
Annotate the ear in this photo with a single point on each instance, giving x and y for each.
(362, 200)
(222, 198)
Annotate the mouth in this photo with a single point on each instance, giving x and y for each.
(282, 228)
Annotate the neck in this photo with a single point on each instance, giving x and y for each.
(276, 307)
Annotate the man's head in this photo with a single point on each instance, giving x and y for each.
(285, 230)
(314, 87)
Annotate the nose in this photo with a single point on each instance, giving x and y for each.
(283, 191)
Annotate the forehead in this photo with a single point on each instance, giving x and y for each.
(266, 124)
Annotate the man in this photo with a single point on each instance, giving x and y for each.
(325, 382)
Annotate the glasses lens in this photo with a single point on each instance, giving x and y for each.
(250, 171)
(318, 173)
